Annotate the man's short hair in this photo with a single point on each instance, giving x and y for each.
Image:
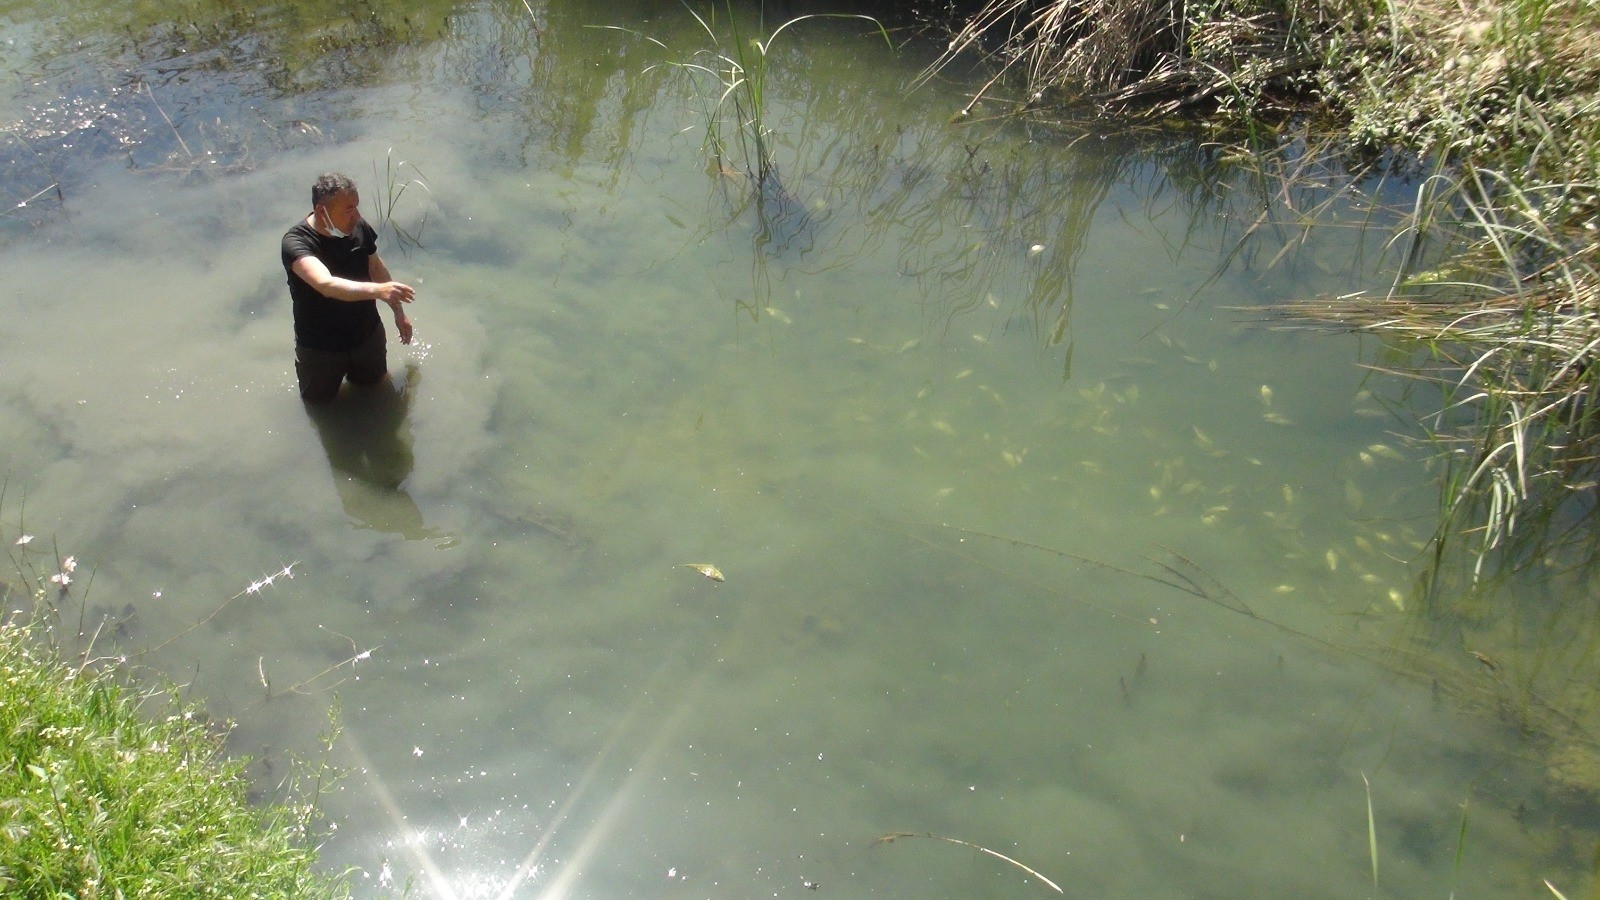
(329, 184)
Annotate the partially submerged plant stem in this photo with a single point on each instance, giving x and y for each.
(300, 686)
(395, 187)
(253, 588)
(893, 836)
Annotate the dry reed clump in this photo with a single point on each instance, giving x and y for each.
(1457, 76)
(1161, 57)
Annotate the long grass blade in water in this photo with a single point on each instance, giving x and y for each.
(1372, 830)
(1461, 848)
(1553, 889)
(893, 836)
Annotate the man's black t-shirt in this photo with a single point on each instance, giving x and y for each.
(322, 323)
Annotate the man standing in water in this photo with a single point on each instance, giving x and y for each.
(335, 280)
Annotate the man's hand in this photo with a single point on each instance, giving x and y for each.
(392, 292)
(402, 324)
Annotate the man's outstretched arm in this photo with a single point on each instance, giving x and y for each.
(315, 273)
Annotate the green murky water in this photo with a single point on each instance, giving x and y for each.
(1034, 537)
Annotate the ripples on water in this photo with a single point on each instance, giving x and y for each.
(1032, 540)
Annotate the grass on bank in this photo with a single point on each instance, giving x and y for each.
(105, 792)
(1497, 104)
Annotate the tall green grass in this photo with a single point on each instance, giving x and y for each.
(106, 791)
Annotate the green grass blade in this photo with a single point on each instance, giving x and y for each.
(631, 31)
(1461, 848)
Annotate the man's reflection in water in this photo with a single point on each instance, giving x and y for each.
(366, 433)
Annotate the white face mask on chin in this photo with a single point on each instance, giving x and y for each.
(333, 229)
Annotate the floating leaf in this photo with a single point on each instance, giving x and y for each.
(706, 569)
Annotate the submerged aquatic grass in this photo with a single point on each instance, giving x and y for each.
(1461, 850)
(737, 66)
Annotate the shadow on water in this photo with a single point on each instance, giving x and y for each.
(366, 434)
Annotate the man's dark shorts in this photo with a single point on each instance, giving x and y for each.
(321, 371)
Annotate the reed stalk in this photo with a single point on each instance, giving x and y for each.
(396, 184)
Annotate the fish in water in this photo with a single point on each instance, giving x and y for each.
(706, 569)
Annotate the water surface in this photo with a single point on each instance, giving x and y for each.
(1035, 538)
